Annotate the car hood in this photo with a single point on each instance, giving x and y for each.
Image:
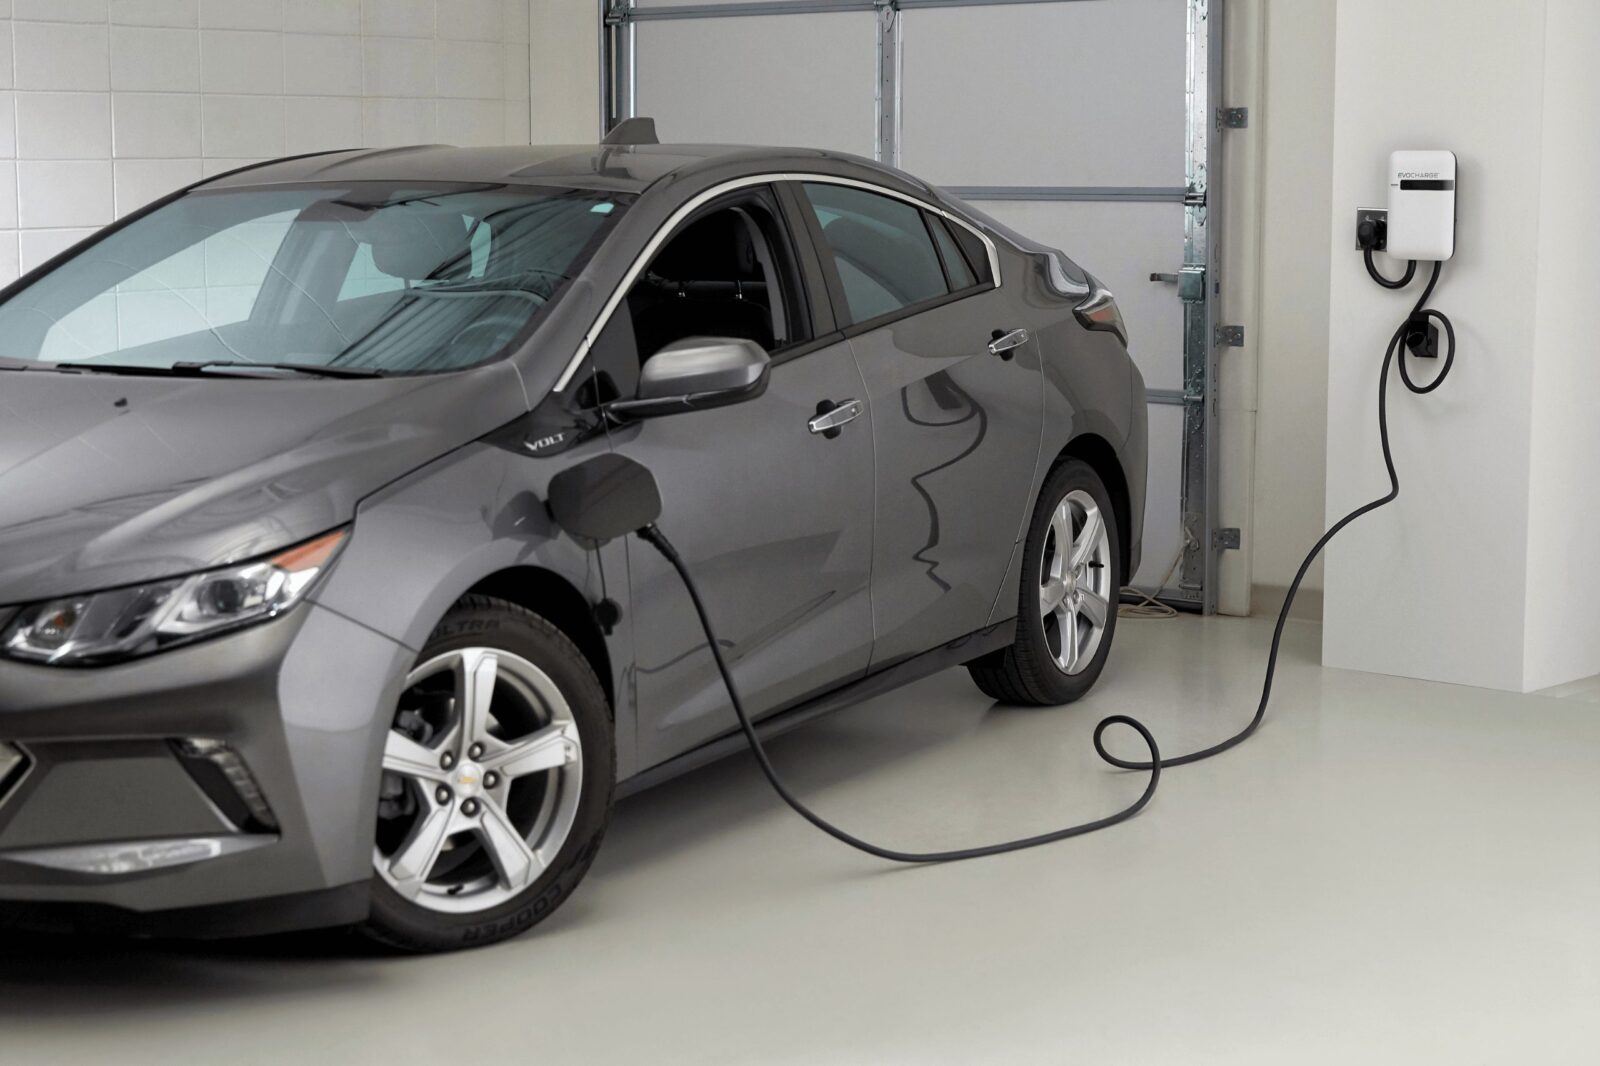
(112, 480)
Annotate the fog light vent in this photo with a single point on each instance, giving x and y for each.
(13, 764)
(226, 781)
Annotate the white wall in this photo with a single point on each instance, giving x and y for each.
(1563, 612)
(1295, 127)
(566, 71)
(111, 103)
(1437, 585)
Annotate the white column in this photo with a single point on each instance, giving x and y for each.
(1484, 572)
(1563, 628)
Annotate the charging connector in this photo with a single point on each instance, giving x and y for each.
(1422, 336)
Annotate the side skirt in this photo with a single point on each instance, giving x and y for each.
(958, 651)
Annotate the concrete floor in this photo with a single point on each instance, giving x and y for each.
(1390, 872)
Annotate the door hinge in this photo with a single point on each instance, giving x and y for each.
(1233, 118)
(1230, 336)
(1225, 538)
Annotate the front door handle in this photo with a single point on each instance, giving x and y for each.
(1003, 342)
(831, 417)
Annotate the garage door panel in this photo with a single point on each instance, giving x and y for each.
(796, 80)
(1031, 94)
(1163, 513)
(1122, 244)
(1074, 94)
(645, 5)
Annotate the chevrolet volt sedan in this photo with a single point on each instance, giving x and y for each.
(288, 637)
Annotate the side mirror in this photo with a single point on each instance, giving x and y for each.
(604, 497)
(695, 374)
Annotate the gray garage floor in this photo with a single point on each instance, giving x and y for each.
(1392, 871)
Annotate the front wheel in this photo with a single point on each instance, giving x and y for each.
(1067, 600)
(497, 782)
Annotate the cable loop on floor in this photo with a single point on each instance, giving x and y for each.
(1396, 346)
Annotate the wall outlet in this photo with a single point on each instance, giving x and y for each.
(1373, 214)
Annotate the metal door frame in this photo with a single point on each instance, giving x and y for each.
(1199, 281)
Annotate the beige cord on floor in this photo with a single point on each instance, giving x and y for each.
(1148, 606)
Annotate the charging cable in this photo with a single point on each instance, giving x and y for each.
(1412, 332)
(658, 540)
(1415, 332)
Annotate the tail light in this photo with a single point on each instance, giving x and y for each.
(1098, 311)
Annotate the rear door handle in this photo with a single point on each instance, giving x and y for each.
(1003, 342)
(831, 417)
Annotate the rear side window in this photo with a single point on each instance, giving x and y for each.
(977, 252)
(956, 266)
(882, 248)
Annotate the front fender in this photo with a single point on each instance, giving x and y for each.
(423, 542)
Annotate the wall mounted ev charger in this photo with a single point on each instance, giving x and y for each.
(1422, 206)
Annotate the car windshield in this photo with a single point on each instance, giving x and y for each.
(343, 280)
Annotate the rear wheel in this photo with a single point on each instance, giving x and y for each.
(1067, 600)
(497, 781)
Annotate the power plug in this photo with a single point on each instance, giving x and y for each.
(1372, 229)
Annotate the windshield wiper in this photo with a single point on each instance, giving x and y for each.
(314, 369)
(113, 368)
(8, 363)
(199, 369)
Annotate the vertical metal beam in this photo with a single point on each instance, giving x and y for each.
(607, 49)
(628, 64)
(886, 96)
(617, 63)
(1198, 576)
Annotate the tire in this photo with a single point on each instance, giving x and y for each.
(1031, 671)
(454, 808)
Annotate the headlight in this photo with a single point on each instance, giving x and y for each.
(100, 627)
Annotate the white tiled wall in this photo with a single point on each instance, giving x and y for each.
(108, 104)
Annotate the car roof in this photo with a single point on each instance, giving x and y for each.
(613, 168)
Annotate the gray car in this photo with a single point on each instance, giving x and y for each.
(288, 637)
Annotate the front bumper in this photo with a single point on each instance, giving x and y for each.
(105, 826)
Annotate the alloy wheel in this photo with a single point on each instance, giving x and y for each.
(482, 773)
(1075, 581)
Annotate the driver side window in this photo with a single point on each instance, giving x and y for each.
(727, 272)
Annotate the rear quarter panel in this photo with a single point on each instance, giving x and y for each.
(1091, 388)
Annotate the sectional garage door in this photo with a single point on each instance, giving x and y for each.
(1083, 123)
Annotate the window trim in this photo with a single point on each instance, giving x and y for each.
(665, 231)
